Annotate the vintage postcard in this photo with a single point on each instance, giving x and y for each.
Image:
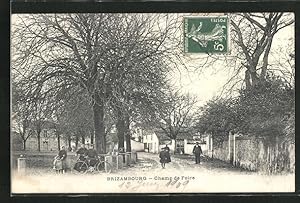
(152, 102)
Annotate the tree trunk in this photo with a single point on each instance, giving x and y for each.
(254, 78)
(120, 130)
(247, 79)
(100, 139)
(175, 148)
(39, 140)
(82, 139)
(69, 141)
(58, 142)
(127, 134)
(265, 62)
(92, 137)
(212, 147)
(76, 141)
(24, 145)
(251, 78)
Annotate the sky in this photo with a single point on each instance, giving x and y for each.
(208, 83)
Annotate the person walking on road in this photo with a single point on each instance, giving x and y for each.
(197, 151)
(163, 155)
(168, 154)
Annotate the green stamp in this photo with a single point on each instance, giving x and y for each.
(206, 34)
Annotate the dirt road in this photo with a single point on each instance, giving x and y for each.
(181, 175)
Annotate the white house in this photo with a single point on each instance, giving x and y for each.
(184, 144)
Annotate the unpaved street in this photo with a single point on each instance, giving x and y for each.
(181, 175)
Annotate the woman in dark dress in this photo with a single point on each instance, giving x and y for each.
(163, 155)
(168, 154)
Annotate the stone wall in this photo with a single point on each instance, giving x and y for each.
(247, 153)
(221, 152)
(258, 155)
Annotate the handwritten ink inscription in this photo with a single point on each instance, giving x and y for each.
(157, 183)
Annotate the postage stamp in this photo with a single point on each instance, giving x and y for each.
(206, 34)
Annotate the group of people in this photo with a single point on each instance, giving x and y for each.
(165, 157)
(60, 160)
(90, 155)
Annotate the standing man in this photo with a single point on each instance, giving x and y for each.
(197, 151)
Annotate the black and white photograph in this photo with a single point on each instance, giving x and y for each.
(152, 102)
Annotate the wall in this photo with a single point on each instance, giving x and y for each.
(155, 144)
(188, 148)
(248, 153)
(209, 142)
(40, 159)
(258, 155)
(152, 141)
(221, 152)
(136, 146)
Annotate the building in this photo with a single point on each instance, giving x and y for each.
(155, 140)
(184, 143)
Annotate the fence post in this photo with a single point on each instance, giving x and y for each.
(133, 157)
(115, 161)
(109, 160)
(234, 150)
(120, 161)
(229, 146)
(21, 164)
(212, 146)
(127, 158)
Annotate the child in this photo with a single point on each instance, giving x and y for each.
(59, 162)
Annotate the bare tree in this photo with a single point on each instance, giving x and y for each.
(41, 113)
(175, 114)
(283, 63)
(251, 52)
(253, 33)
(70, 50)
(22, 121)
